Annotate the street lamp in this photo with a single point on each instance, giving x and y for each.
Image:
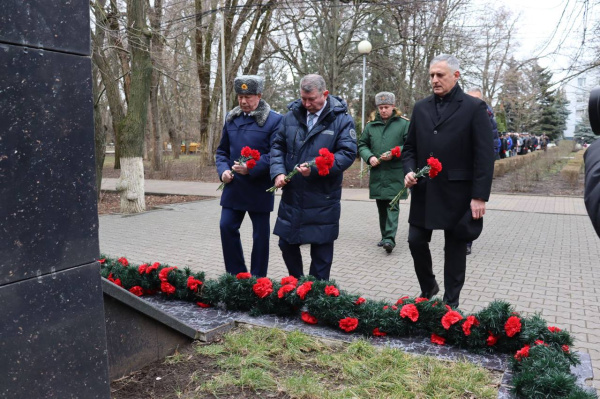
(364, 48)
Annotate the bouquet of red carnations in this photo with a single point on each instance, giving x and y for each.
(323, 162)
(249, 156)
(434, 166)
(396, 152)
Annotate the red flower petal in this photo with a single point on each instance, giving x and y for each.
(308, 318)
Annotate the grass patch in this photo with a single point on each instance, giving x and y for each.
(299, 366)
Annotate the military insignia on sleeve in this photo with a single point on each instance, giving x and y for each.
(353, 133)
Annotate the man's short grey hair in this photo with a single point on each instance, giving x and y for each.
(312, 82)
(451, 60)
(475, 89)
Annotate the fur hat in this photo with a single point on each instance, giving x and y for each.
(249, 84)
(385, 98)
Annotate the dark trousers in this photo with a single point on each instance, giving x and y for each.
(455, 262)
(233, 255)
(321, 258)
(388, 220)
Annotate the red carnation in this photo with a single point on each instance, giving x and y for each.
(163, 275)
(193, 283)
(203, 305)
(101, 260)
(142, 268)
(330, 290)
(324, 161)
(349, 324)
(512, 326)
(435, 167)
(470, 322)
(360, 301)
(492, 339)
(394, 307)
(450, 318)
(263, 287)
(401, 300)
(421, 299)
(436, 339)
(243, 276)
(554, 329)
(113, 280)
(250, 164)
(284, 290)
(167, 288)
(378, 333)
(565, 348)
(396, 152)
(410, 311)
(304, 289)
(154, 266)
(308, 318)
(540, 342)
(137, 290)
(255, 154)
(289, 280)
(123, 261)
(522, 353)
(247, 152)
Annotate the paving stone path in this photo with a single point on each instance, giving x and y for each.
(539, 253)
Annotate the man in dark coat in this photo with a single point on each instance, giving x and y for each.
(386, 178)
(454, 128)
(309, 211)
(478, 93)
(251, 124)
(592, 183)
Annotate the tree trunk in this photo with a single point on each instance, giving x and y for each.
(157, 53)
(131, 181)
(99, 132)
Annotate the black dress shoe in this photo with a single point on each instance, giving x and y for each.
(388, 247)
(469, 248)
(431, 293)
(380, 243)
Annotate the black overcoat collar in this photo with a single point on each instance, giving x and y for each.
(455, 103)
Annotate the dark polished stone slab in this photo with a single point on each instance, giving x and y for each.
(53, 341)
(47, 178)
(62, 25)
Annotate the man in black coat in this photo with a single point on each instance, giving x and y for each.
(592, 183)
(454, 128)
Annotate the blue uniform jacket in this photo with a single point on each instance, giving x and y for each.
(248, 192)
(309, 211)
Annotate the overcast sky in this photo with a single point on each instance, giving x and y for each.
(537, 24)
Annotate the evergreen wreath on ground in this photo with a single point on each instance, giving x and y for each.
(541, 354)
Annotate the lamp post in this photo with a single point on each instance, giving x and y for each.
(364, 48)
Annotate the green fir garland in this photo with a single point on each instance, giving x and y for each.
(542, 355)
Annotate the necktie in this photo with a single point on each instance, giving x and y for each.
(311, 121)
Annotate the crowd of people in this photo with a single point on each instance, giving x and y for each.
(512, 144)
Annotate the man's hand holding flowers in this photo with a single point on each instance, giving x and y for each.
(324, 161)
(432, 169)
(386, 156)
(247, 161)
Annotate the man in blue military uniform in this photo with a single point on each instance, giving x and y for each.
(251, 124)
(309, 212)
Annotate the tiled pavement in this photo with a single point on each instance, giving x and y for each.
(539, 253)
